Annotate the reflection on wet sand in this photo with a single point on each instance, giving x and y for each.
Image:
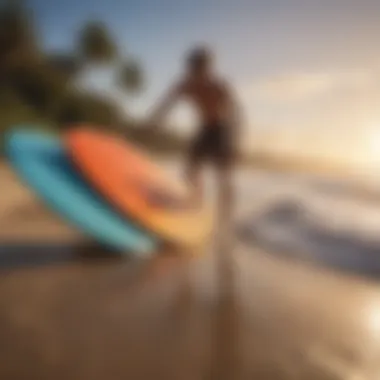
(75, 311)
(225, 352)
(172, 319)
(101, 319)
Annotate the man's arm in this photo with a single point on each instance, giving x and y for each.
(164, 106)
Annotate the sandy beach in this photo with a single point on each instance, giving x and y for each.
(250, 306)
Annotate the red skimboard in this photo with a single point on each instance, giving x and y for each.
(139, 188)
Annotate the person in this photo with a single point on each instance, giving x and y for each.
(216, 138)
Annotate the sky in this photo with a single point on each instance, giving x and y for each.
(307, 72)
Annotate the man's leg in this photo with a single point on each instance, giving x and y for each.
(194, 178)
(224, 155)
(225, 196)
(193, 172)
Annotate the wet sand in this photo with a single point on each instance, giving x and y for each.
(69, 310)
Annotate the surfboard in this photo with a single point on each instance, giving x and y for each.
(43, 164)
(138, 187)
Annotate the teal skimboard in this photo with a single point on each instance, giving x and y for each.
(43, 164)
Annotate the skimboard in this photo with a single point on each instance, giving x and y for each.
(42, 162)
(138, 187)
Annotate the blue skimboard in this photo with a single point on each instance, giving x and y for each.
(42, 162)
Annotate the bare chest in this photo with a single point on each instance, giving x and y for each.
(206, 96)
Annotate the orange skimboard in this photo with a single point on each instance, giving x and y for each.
(139, 188)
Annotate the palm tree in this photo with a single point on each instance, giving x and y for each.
(18, 37)
(96, 45)
(130, 77)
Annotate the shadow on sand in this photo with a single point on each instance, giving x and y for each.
(14, 255)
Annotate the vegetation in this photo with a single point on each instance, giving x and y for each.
(40, 86)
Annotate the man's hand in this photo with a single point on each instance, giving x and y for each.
(163, 107)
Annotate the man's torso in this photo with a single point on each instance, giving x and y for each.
(209, 98)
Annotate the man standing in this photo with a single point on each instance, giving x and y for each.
(217, 134)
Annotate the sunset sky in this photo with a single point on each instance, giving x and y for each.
(306, 71)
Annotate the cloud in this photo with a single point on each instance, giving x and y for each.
(297, 87)
(342, 99)
(326, 113)
(294, 86)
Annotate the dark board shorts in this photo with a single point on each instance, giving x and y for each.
(214, 143)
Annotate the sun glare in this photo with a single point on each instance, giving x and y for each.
(373, 153)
